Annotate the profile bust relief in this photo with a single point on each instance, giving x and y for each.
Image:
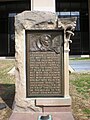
(45, 42)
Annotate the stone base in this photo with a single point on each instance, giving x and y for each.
(57, 113)
(65, 101)
(56, 109)
(34, 116)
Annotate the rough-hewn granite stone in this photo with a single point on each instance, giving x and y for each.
(31, 20)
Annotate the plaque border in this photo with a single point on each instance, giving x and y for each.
(27, 51)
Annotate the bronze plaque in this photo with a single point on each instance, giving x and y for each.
(44, 63)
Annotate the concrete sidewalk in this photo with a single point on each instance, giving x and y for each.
(80, 65)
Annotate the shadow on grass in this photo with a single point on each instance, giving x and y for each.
(7, 93)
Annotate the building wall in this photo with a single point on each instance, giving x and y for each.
(89, 22)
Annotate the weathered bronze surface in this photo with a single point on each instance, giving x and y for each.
(44, 63)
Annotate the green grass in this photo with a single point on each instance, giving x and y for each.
(7, 87)
(5, 67)
(80, 85)
(80, 58)
(87, 111)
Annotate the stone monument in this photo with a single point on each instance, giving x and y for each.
(42, 55)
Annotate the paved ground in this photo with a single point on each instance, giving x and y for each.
(80, 65)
